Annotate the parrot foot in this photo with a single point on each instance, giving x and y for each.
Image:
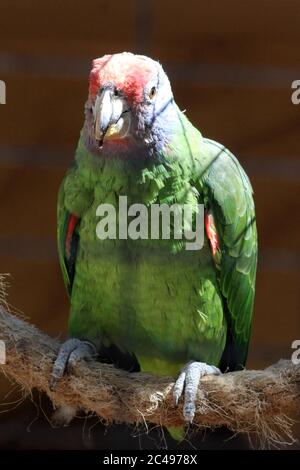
(189, 379)
(70, 353)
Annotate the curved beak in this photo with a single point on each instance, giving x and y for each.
(111, 116)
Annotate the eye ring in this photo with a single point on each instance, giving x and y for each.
(152, 92)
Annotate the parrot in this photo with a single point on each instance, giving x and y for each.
(147, 304)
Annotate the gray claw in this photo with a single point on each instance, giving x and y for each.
(178, 387)
(71, 352)
(188, 380)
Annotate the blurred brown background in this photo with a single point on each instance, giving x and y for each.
(231, 64)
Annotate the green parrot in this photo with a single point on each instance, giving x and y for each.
(151, 304)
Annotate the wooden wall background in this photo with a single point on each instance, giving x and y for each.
(231, 64)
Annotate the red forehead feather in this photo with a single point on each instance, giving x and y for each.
(127, 72)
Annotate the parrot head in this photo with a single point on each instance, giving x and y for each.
(129, 100)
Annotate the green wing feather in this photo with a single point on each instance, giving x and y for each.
(229, 197)
(67, 261)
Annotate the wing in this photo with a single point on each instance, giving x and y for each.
(67, 239)
(229, 200)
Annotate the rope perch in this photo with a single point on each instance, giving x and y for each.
(251, 401)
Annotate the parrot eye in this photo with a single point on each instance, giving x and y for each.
(116, 92)
(152, 92)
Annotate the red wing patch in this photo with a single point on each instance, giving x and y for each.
(70, 230)
(211, 233)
